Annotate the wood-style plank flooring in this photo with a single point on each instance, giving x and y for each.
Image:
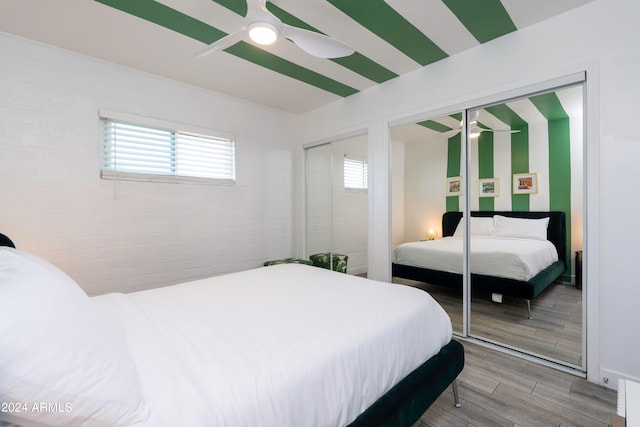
(554, 332)
(497, 389)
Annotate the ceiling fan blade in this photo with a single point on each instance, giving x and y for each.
(500, 130)
(222, 43)
(256, 6)
(451, 133)
(317, 44)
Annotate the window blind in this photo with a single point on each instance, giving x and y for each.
(133, 151)
(355, 174)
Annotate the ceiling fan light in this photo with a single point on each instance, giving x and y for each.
(475, 132)
(263, 33)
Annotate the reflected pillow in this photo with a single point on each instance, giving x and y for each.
(524, 228)
(480, 226)
(63, 360)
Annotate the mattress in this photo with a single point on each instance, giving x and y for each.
(284, 345)
(510, 258)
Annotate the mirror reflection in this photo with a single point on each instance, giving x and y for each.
(525, 197)
(426, 181)
(526, 188)
(337, 206)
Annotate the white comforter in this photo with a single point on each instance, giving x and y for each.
(285, 345)
(511, 258)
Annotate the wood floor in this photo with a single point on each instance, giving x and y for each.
(502, 390)
(554, 332)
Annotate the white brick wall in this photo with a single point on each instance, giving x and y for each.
(133, 235)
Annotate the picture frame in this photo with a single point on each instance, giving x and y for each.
(489, 187)
(525, 183)
(454, 186)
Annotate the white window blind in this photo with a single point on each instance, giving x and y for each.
(355, 174)
(142, 152)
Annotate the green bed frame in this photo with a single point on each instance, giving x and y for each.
(405, 403)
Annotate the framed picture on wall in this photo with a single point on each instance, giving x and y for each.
(454, 186)
(525, 183)
(489, 187)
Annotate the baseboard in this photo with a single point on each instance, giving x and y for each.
(610, 378)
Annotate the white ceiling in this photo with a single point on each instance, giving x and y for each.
(103, 31)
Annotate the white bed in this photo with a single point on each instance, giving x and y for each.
(285, 345)
(507, 257)
(514, 253)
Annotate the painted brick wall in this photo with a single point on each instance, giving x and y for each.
(132, 235)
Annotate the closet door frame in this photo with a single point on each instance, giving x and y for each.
(590, 333)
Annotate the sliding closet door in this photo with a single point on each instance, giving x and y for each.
(519, 155)
(337, 204)
(528, 158)
(319, 199)
(427, 162)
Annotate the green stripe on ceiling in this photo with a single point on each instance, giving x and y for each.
(519, 164)
(433, 125)
(560, 172)
(519, 150)
(486, 19)
(381, 19)
(550, 106)
(237, 6)
(559, 130)
(275, 63)
(364, 66)
(454, 156)
(506, 115)
(485, 167)
(439, 127)
(152, 11)
(167, 17)
(356, 62)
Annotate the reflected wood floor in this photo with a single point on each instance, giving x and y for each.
(555, 330)
(497, 389)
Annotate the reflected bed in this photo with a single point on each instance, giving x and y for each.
(496, 271)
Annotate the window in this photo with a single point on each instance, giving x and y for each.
(355, 174)
(135, 148)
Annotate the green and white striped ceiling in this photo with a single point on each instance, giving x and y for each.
(390, 37)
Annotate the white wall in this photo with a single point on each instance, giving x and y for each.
(397, 193)
(136, 235)
(424, 183)
(602, 38)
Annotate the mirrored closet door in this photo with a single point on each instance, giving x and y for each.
(492, 224)
(336, 193)
(427, 157)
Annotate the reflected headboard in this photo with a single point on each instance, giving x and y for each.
(5, 241)
(556, 231)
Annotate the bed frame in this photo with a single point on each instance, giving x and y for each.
(556, 234)
(405, 403)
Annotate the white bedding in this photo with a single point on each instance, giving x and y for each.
(285, 345)
(511, 258)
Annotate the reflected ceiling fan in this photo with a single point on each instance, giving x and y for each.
(264, 28)
(475, 130)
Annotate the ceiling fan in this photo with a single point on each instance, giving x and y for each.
(264, 28)
(475, 130)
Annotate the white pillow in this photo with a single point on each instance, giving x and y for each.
(480, 226)
(63, 362)
(524, 228)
